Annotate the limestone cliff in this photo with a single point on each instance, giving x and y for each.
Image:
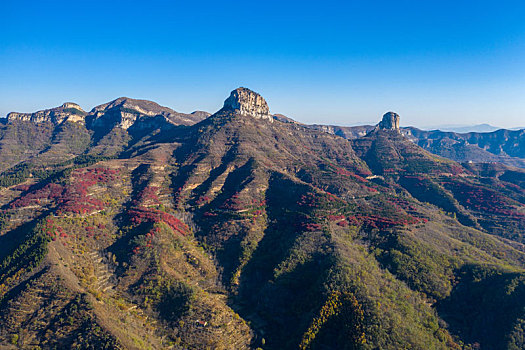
(246, 102)
(390, 121)
(68, 111)
(124, 112)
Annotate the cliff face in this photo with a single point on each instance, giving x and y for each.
(145, 107)
(124, 113)
(243, 101)
(390, 121)
(68, 111)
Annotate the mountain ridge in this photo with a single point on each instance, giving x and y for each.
(238, 232)
(463, 147)
(504, 146)
(67, 110)
(484, 127)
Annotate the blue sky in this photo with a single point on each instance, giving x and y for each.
(339, 62)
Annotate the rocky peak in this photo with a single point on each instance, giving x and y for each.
(244, 101)
(200, 114)
(68, 105)
(125, 112)
(68, 111)
(390, 121)
(128, 105)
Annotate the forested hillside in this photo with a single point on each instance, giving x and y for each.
(133, 226)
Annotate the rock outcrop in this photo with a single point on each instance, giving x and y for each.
(124, 112)
(68, 111)
(284, 119)
(390, 121)
(246, 102)
(130, 105)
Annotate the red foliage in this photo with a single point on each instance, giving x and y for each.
(415, 177)
(481, 199)
(379, 222)
(149, 195)
(332, 197)
(233, 203)
(22, 188)
(401, 203)
(344, 172)
(73, 198)
(44, 194)
(54, 231)
(140, 215)
(343, 223)
(258, 203)
(340, 220)
(455, 169)
(76, 198)
(203, 200)
(311, 226)
(336, 217)
(308, 200)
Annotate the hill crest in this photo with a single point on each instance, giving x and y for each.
(246, 102)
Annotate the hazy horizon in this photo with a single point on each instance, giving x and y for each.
(433, 63)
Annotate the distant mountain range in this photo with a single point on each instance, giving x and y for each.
(133, 226)
(502, 146)
(464, 128)
(468, 128)
(489, 144)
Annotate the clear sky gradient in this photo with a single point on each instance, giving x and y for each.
(337, 62)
